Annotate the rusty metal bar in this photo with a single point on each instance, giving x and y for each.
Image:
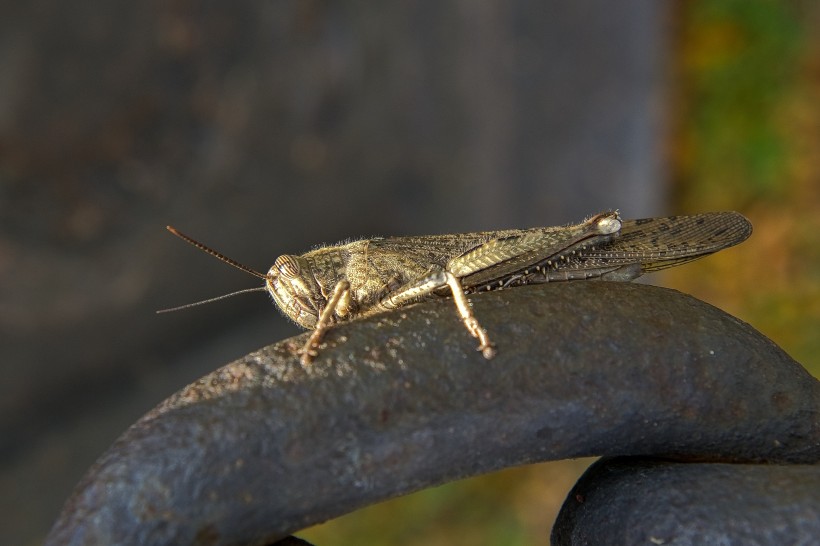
(402, 401)
(628, 500)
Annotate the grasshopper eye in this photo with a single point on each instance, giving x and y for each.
(609, 224)
(287, 266)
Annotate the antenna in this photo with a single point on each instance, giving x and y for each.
(209, 300)
(214, 253)
(222, 258)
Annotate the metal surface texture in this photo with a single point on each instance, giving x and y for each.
(625, 501)
(397, 402)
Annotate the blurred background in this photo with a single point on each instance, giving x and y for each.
(269, 127)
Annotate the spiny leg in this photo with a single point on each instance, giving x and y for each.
(308, 352)
(435, 279)
(485, 346)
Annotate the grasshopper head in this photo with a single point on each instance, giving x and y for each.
(290, 282)
(294, 290)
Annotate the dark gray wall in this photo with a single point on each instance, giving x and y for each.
(264, 128)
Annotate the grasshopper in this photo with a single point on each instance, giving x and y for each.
(333, 284)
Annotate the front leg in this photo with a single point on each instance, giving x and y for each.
(308, 352)
(439, 278)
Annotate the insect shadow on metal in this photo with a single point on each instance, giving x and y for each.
(342, 282)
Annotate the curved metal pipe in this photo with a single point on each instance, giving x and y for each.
(401, 401)
(629, 500)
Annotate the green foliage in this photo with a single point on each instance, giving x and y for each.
(740, 60)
